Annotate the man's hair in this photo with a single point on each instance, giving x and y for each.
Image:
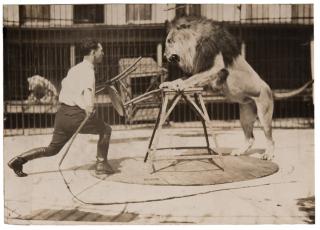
(88, 44)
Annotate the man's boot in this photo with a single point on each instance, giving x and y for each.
(102, 165)
(17, 162)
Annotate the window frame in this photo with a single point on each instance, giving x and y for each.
(78, 22)
(25, 20)
(184, 10)
(138, 21)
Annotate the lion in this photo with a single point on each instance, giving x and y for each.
(210, 55)
(41, 90)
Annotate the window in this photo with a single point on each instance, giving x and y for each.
(138, 12)
(34, 13)
(88, 14)
(188, 10)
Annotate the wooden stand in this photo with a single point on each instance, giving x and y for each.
(170, 98)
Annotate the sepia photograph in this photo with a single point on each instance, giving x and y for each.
(158, 114)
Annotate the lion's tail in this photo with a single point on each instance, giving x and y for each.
(279, 96)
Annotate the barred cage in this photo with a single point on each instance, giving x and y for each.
(42, 42)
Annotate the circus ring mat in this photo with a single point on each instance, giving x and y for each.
(132, 181)
(184, 172)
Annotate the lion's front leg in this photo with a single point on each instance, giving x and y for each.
(216, 85)
(205, 77)
(176, 85)
(217, 75)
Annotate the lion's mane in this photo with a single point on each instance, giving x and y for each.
(212, 39)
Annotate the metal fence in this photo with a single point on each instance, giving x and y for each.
(280, 51)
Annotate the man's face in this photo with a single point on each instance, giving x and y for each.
(98, 54)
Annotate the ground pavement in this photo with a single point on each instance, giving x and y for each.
(285, 197)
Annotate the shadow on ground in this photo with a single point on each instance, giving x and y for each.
(77, 215)
(308, 205)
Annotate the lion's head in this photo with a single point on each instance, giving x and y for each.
(193, 43)
(41, 89)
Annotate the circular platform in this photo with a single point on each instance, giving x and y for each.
(190, 172)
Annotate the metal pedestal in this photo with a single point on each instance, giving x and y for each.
(170, 98)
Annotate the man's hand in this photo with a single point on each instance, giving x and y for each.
(89, 111)
(88, 100)
(177, 85)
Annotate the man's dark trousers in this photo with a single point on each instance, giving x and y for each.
(67, 121)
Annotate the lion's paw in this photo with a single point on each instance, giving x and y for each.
(267, 156)
(236, 152)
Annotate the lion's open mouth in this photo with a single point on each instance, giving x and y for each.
(174, 58)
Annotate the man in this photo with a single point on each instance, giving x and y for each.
(77, 100)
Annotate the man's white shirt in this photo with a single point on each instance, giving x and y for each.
(79, 78)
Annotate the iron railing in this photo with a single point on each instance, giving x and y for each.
(279, 50)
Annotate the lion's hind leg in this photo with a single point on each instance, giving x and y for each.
(248, 115)
(265, 106)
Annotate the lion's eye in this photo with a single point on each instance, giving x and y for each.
(169, 40)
